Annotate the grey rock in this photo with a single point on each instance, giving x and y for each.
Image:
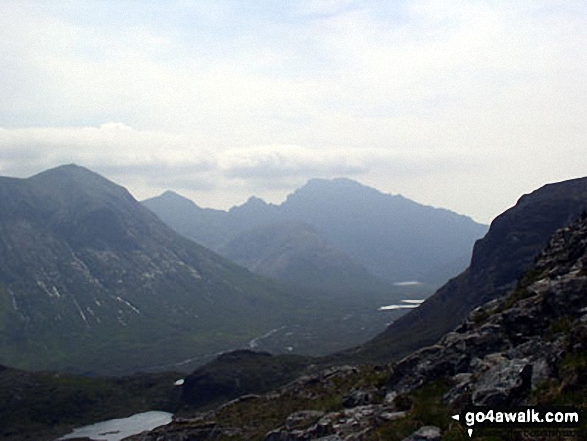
(426, 433)
(511, 344)
(496, 357)
(302, 418)
(460, 391)
(391, 416)
(503, 384)
(360, 397)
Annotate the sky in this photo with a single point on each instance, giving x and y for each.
(464, 105)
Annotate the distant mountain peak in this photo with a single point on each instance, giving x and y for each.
(68, 180)
(170, 195)
(81, 260)
(331, 180)
(339, 187)
(335, 182)
(66, 170)
(253, 203)
(71, 172)
(395, 238)
(256, 201)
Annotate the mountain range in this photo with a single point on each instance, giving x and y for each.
(499, 259)
(508, 330)
(508, 250)
(354, 236)
(525, 349)
(91, 280)
(89, 274)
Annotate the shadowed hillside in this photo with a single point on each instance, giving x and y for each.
(507, 250)
(88, 274)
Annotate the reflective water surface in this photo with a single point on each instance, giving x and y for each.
(115, 430)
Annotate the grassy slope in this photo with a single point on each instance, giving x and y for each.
(43, 406)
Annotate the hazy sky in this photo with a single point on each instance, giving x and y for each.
(458, 104)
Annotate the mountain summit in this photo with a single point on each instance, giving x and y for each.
(393, 238)
(508, 249)
(90, 280)
(525, 348)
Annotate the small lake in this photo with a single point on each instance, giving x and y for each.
(408, 283)
(115, 430)
(406, 304)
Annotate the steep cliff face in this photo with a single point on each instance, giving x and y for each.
(516, 343)
(507, 250)
(525, 348)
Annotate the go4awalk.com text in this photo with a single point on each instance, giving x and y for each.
(551, 421)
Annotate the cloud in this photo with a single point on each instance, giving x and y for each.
(112, 145)
(269, 162)
(442, 101)
(342, 73)
(160, 160)
(119, 148)
(151, 162)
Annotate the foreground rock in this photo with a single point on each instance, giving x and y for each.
(509, 346)
(505, 253)
(528, 347)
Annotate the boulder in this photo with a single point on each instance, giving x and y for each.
(426, 433)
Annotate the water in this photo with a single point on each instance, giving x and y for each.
(406, 304)
(392, 307)
(408, 283)
(115, 430)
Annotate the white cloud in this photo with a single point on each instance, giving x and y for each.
(111, 144)
(155, 161)
(461, 104)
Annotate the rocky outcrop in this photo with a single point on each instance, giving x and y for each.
(426, 433)
(349, 424)
(508, 249)
(503, 354)
(508, 347)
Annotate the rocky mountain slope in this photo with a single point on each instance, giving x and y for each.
(507, 250)
(394, 238)
(527, 347)
(88, 274)
(512, 234)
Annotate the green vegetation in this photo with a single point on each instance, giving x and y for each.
(425, 408)
(570, 389)
(43, 406)
(239, 373)
(257, 415)
(91, 281)
(481, 316)
(562, 325)
(520, 293)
